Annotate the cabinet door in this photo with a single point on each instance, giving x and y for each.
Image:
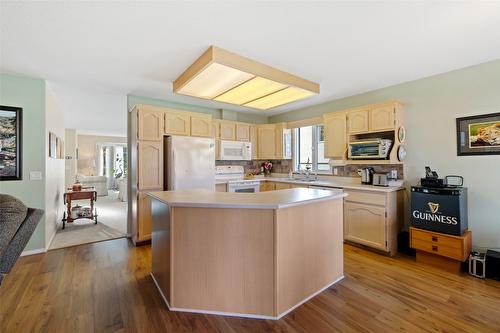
(217, 149)
(150, 165)
(365, 224)
(335, 135)
(149, 125)
(279, 134)
(282, 186)
(143, 217)
(266, 141)
(358, 121)
(201, 126)
(177, 123)
(264, 187)
(215, 129)
(253, 141)
(227, 130)
(221, 187)
(382, 118)
(242, 132)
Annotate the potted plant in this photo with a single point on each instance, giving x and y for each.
(266, 167)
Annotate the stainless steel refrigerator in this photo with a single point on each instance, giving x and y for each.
(189, 163)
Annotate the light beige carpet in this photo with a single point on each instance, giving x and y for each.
(111, 224)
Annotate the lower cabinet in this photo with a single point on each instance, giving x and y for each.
(265, 186)
(221, 187)
(143, 217)
(365, 224)
(373, 218)
(282, 186)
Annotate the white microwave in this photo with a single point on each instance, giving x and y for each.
(235, 150)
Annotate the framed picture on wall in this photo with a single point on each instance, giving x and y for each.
(478, 135)
(11, 131)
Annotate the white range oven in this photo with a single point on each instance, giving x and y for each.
(243, 186)
(234, 176)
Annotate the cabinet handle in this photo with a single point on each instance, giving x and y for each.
(434, 238)
(434, 248)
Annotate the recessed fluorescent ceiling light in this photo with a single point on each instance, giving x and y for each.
(281, 97)
(227, 77)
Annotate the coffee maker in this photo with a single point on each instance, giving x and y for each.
(366, 175)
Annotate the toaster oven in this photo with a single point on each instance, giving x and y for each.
(370, 149)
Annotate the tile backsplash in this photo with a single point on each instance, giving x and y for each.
(351, 170)
(279, 166)
(284, 166)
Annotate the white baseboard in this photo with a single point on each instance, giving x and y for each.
(34, 251)
(50, 240)
(243, 315)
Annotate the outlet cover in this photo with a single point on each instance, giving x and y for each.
(35, 175)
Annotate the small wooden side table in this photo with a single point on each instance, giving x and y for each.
(88, 193)
(441, 250)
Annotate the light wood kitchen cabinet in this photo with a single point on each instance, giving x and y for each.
(365, 224)
(283, 141)
(242, 132)
(177, 123)
(149, 125)
(335, 131)
(216, 128)
(382, 118)
(267, 186)
(227, 130)
(143, 217)
(358, 121)
(266, 141)
(221, 187)
(253, 141)
(282, 186)
(150, 165)
(201, 126)
(373, 218)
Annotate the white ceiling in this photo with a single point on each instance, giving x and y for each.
(348, 47)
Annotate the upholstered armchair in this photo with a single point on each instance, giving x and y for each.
(17, 224)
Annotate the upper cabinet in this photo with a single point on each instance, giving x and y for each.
(382, 118)
(177, 123)
(266, 141)
(242, 132)
(253, 141)
(358, 121)
(335, 131)
(149, 125)
(215, 128)
(150, 165)
(227, 130)
(201, 125)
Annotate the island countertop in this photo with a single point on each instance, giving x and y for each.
(260, 200)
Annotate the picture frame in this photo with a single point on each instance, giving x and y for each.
(52, 145)
(11, 134)
(478, 135)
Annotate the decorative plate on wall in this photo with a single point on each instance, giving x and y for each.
(401, 153)
(401, 134)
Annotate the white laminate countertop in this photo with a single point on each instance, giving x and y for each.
(263, 200)
(338, 182)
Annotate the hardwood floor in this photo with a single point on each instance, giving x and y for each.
(106, 287)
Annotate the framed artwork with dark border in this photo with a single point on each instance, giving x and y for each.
(478, 135)
(11, 132)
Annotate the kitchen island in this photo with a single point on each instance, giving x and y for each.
(256, 255)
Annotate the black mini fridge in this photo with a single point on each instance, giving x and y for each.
(439, 209)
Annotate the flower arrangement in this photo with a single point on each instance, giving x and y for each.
(266, 167)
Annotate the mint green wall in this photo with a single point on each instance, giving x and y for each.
(216, 113)
(29, 94)
(431, 106)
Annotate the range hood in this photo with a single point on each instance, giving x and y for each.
(223, 76)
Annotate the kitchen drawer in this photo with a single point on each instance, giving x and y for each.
(437, 238)
(366, 197)
(453, 247)
(442, 250)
